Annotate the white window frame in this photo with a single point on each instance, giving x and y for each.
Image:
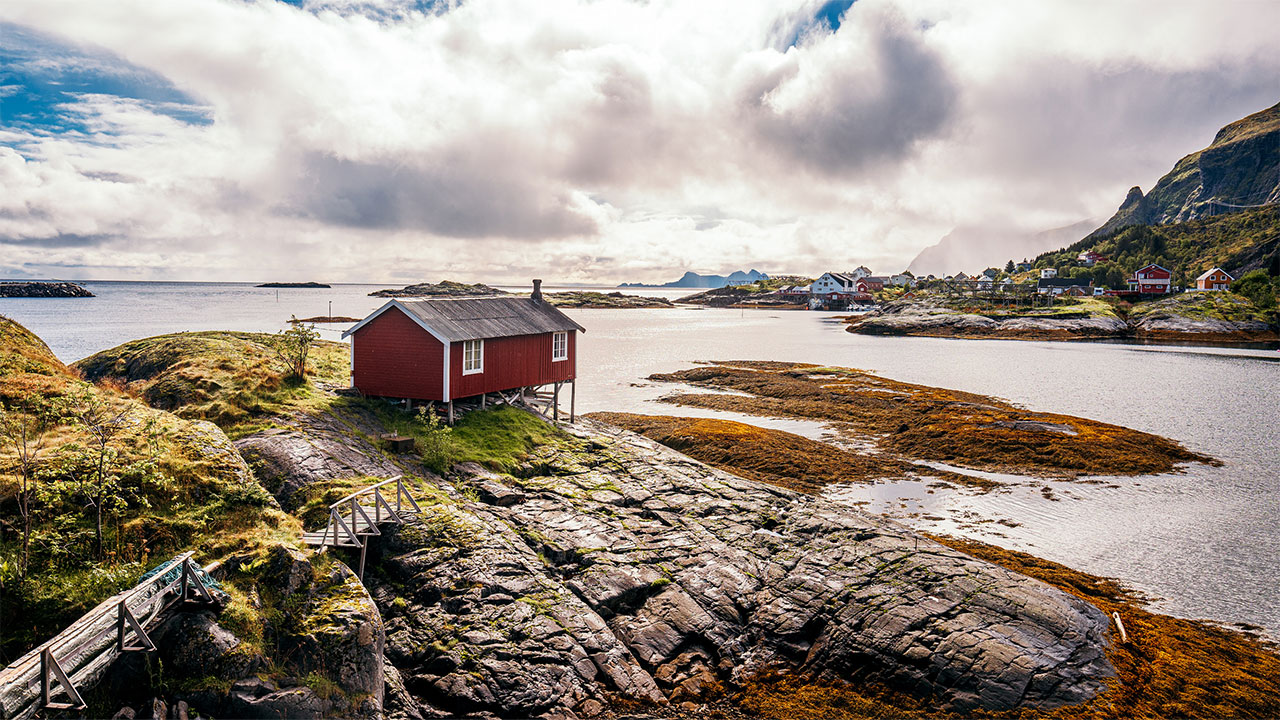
(561, 338)
(469, 368)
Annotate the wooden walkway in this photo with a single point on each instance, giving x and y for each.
(356, 517)
(49, 677)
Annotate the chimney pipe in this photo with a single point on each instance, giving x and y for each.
(537, 291)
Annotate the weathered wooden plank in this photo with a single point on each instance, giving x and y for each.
(89, 645)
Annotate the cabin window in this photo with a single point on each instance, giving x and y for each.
(559, 346)
(472, 357)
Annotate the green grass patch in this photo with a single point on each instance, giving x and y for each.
(500, 438)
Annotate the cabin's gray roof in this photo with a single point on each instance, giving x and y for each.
(476, 318)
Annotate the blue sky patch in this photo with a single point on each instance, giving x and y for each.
(41, 75)
(828, 17)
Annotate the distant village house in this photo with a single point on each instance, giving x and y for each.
(1151, 280)
(1215, 279)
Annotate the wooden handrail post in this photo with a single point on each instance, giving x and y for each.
(125, 620)
(49, 666)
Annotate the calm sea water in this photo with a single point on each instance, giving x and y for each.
(1204, 541)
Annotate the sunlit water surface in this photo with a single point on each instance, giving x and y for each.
(1203, 541)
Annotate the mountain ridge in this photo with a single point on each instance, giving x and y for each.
(1239, 170)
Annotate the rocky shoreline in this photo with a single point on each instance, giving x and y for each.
(924, 318)
(43, 290)
(591, 573)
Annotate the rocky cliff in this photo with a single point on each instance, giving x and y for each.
(1239, 169)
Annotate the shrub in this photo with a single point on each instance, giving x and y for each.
(1258, 288)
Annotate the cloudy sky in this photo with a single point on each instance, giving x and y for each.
(588, 140)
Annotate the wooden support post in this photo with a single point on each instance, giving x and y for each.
(482, 400)
(364, 548)
(49, 666)
(451, 412)
(191, 580)
(573, 398)
(126, 620)
(555, 404)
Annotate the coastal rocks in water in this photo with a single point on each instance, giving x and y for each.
(742, 296)
(599, 300)
(1205, 316)
(444, 288)
(918, 422)
(921, 317)
(42, 290)
(632, 573)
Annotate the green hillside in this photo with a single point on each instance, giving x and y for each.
(1238, 243)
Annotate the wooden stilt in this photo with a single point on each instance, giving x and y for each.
(482, 398)
(364, 548)
(573, 398)
(450, 412)
(555, 404)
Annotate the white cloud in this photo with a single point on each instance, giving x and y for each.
(608, 140)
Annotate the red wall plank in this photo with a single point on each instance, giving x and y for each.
(395, 357)
(513, 362)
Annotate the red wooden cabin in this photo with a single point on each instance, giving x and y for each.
(1215, 279)
(443, 350)
(1151, 280)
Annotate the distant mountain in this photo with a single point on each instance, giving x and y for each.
(694, 280)
(1239, 170)
(971, 248)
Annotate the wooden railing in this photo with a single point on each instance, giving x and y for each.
(352, 520)
(48, 677)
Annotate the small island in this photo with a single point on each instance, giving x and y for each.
(599, 301)
(42, 290)
(321, 319)
(444, 288)
(313, 285)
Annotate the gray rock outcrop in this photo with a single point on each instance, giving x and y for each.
(921, 317)
(630, 571)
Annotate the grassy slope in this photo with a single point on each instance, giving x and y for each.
(200, 495)
(229, 378)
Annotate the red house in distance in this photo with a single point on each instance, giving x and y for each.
(442, 350)
(1151, 280)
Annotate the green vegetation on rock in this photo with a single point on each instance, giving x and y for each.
(233, 379)
(118, 488)
(1237, 243)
